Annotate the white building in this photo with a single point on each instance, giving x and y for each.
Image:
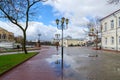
(111, 31)
(68, 41)
(73, 42)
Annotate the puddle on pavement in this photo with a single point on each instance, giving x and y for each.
(85, 66)
(69, 69)
(117, 69)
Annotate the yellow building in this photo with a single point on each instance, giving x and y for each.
(6, 35)
(68, 41)
(73, 42)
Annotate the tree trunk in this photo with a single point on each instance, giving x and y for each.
(24, 42)
(97, 41)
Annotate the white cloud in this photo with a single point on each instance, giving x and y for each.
(35, 28)
(83, 7)
(11, 28)
(47, 32)
(79, 10)
(76, 10)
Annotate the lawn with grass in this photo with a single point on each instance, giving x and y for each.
(9, 61)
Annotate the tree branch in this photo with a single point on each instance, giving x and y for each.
(11, 19)
(113, 1)
(28, 8)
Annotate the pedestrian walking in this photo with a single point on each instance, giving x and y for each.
(57, 46)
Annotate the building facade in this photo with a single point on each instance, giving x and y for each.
(110, 33)
(6, 36)
(71, 42)
(6, 39)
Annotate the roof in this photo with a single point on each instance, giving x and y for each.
(68, 37)
(5, 30)
(76, 39)
(109, 15)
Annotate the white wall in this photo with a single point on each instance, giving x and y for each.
(7, 44)
(111, 32)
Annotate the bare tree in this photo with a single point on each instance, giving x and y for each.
(93, 29)
(113, 1)
(92, 26)
(17, 11)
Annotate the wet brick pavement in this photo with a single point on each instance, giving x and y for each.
(79, 64)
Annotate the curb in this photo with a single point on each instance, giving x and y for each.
(18, 64)
(111, 50)
(107, 50)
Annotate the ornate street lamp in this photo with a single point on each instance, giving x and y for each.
(62, 26)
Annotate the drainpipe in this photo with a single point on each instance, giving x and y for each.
(116, 33)
(101, 35)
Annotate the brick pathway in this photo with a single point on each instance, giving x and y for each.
(37, 68)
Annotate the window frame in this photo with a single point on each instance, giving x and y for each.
(112, 24)
(4, 36)
(105, 40)
(105, 26)
(119, 22)
(119, 39)
(112, 40)
(0, 36)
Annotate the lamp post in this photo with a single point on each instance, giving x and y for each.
(61, 25)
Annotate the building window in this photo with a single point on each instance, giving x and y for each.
(4, 36)
(105, 40)
(112, 40)
(112, 24)
(119, 21)
(105, 26)
(0, 36)
(119, 40)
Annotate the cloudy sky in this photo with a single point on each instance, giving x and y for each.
(79, 12)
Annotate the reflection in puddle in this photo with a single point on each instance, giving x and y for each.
(72, 69)
(75, 67)
(117, 69)
(86, 65)
(68, 70)
(55, 62)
